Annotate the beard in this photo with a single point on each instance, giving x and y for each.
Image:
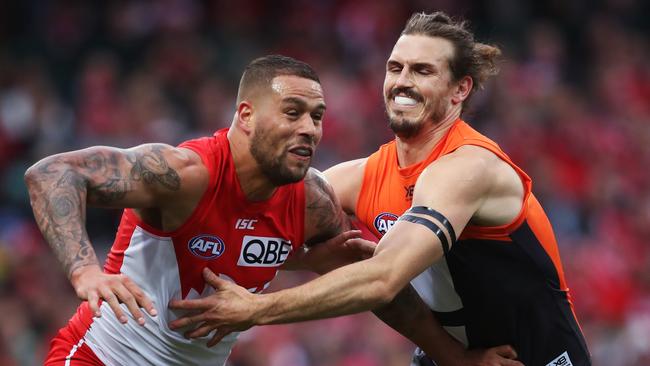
(404, 128)
(275, 169)
(407, 128)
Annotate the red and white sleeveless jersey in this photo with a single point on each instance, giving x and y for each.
(239, 240)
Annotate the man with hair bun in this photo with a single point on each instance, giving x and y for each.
(471, 237)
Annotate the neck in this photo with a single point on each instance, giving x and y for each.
(414, 149)
(253, 183)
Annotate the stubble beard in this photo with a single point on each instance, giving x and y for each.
(407, 128)
(274, 169)
(403, 127)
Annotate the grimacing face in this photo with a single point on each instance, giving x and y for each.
(417, 86)
(288, 127)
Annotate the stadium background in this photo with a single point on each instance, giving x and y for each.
(571, 106)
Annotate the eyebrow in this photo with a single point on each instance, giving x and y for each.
(417, 65)
(301, 103)
(421, 65)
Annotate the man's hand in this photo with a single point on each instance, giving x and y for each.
(91, 284)
(496, 356)
(333, 253)
(230, 308)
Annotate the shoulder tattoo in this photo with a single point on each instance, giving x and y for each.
(322, 208)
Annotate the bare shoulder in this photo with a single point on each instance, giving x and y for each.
(474, 159)
(176, 157)
(346, 179)
(505, 196)
(168, 168)
(145, 176)
(319, 195)
(191, 164)
(324, 217)
(486, 165)
(468, 165)
(479, 178)
(464, 177)
(178, 177)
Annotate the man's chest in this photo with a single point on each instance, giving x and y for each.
(243, 246)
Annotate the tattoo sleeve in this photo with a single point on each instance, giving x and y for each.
(60, 187)
(324, 215)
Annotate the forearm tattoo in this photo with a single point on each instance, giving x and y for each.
(60, 186)
(323, 211)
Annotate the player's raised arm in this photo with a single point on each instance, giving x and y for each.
(61, 186)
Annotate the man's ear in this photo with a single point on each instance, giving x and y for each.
(462, 90)
(245, 116)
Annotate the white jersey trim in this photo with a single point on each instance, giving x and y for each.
(150, 262)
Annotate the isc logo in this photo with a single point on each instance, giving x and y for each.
(384, 221)
(261, 251)
(206, 246)
(245, 224)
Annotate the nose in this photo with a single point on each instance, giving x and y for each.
(404, 79)
(310, 128)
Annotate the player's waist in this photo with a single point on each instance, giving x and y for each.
(153, 343)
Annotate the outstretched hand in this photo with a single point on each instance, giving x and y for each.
(230, 308)
(336, 252)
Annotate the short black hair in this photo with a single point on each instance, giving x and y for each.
(261, 71)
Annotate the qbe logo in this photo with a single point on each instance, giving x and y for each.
(262, 251)
(384, 221)
(206, 246)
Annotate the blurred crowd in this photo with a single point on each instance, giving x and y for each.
(571, 106)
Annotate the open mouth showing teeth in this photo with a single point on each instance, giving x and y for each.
(405, 100)
(302, 151)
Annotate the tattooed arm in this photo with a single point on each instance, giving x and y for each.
(327, 229)
(324, 217)
(146, 177)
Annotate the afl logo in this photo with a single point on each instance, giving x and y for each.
(384, 221)
(206, 246)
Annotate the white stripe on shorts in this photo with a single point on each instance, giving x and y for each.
(72, 351)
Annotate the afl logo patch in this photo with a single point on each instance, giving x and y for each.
(206, 246)
(384, 221)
